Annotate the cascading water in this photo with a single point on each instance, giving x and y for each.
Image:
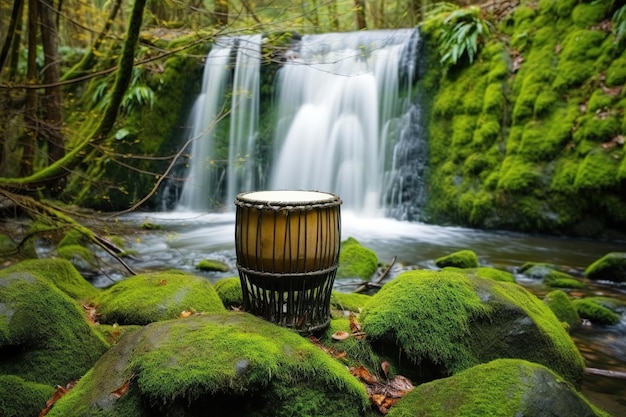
(345, 120)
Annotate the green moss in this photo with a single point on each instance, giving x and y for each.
(461, 259)
(212, 265)
(561, 305)
(74, 237)
(45, 332)
(610, 267)
(234, 363)
(616, 72)
(20, 398)
(558, 279)
(536, 145)
(427, 314)
(589, 14)
(462, 130)
(598, 127)
(503, 387)
(355, 260)
(150, 297)
(349, 301)
(484, 272)
(591, 309)
(517, 175)
(358, 350)
(564, 175)
(599, 101)
(596, 171)
(229, 291)
(78, 255)
(60, 273)
(487, 131)
(576, 63)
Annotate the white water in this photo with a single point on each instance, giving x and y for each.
(339, 116)
(330, 133)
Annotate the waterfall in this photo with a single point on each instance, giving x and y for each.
(345, 122)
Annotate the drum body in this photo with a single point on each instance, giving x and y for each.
(287, 245)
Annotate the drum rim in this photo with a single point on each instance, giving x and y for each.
(331, 199)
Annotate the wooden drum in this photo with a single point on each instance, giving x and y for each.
(287, 245)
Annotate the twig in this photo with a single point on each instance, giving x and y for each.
(377, 283)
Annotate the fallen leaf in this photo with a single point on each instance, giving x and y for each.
(385, 368)
(340, 335)
(92, 314)
(362, 373)
(60, 392)
(119, 393)
(163, 282)
(185, 314)
(355, 327)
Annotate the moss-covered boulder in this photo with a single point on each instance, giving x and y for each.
(230, 363)
(484, 272)
(599, 310)
(150, 297)
(561, 305)
(503, 387)
(353, 302)
(461, 259)
(356, 261)
(229, 291)
(212, 265)
(20, 398)
(558, 279)
(45, 336)
(437, 323)
(611, 267)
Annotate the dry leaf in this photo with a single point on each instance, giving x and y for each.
(119, 393)
(185, 314)
(163, 282)
(354, 325)
(340, 335)
(385, 368)
(60, 392)
(365, 375)
(92, 314)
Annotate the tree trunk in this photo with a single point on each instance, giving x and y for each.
(359, 11)
(29, 137)
(53, 104)
(124, 72)
(16, 14)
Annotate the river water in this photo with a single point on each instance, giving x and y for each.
(188, 237)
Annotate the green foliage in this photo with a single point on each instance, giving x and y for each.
(461, 259)
(458, 31)
(562, 307)
(229, 291)
(591, 308)
(356, 261)
(150, 297)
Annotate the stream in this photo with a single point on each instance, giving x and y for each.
(185, 238)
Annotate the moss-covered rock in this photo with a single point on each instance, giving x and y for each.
(44, 334)
(20, 398)
(349, 301)
(503, 387)
(486, 272)
(562, 307)
(466, 258)
(596, 310)
(356, 261)
(150, 297)
(229, 291)
(443, 322)
(558, 279)
(230, 363)
(611, 267)
(212, 265)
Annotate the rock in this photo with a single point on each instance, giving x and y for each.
(562, 307)
(611, 267)
(484, 272)
(22, 398)
(151, 297)
(599, 310)
(229, 291)
(229, 363)
(503, 387)
(212, 265)
(44, 333)
(356, 261)
(462, 259)
(437, 323)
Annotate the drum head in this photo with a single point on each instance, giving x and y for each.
(287, 197)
